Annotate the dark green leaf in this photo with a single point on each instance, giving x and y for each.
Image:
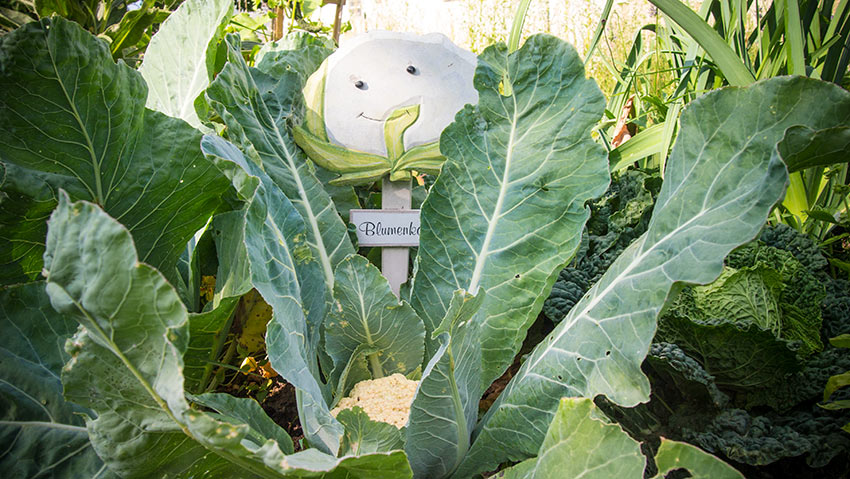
(207, 333)
(43, 435)
(73, 119)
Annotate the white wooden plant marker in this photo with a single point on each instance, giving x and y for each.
(376, 108)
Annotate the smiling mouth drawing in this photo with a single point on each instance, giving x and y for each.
(361, 115)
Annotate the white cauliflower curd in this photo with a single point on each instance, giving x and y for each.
(384, 399)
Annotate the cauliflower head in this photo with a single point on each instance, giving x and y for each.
(384, 399)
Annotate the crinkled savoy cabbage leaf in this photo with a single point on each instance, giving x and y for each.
(738, 355)
(71, 118)
(616, 219)
(749, 295)
(801, 295)
(507, 210)
(723, 176)
(126, 364)
(669, 362)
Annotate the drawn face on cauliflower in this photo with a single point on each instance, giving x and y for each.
(378, 105)
(385, 399)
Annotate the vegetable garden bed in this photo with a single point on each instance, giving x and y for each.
(181, 296)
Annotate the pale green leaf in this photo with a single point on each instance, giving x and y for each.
(445, 407)
(303, 60)
(363, 435)
(366, 312)
(840, 341)
(674, 455)
(834, 383)
(257, 120)
(723, 177)
(246, 410)
(285, 272)
(177, 63)
(126, 364)
(506, 213)
(582, 442)
(356, 370)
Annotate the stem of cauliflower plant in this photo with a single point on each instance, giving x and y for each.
(375, 366)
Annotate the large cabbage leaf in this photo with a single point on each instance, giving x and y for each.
(126, 364)
(43, 435)
(723, 176)
(281, 266)
(506, 213)
(582, 442)
(256, 108)
(366, 313)
(71, 118)
(445, 408)
(179, 61)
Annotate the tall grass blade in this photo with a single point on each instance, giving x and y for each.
(733, 69)
(794, 39)
(646, 143)
(516, 28)
(600, 29)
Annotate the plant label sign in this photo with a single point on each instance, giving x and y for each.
(398, 228)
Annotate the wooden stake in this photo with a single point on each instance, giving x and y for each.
(394, 260)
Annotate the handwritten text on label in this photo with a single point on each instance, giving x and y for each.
(386, 227)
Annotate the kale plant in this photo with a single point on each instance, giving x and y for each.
(741, 376)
